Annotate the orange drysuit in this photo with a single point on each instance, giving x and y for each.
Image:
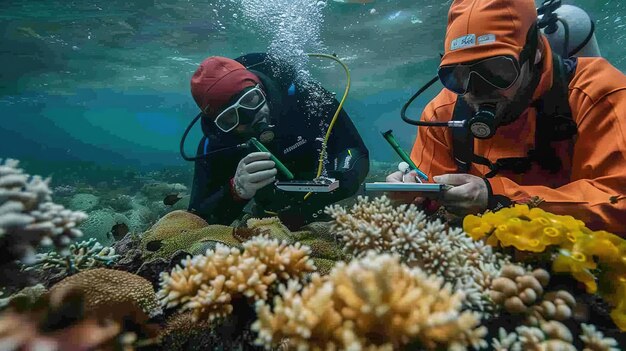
(591, 186)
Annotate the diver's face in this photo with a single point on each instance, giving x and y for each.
(262, 115)
(502, 98)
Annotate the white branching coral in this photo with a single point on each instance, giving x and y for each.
(371, 303)
(29, 218)
(431, 245)
(206, 284)
(84, 255)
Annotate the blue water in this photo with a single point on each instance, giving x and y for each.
(108, 83)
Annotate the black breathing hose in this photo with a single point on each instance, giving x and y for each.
(408, 103)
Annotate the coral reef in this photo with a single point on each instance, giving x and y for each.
(84, 255)
(120, 203)
(594, 258)
(29, 218)
(430, 245)
(107, 289)
(83, 202)
(158, 190)
(206, 284)
(100, 223)
(373, 303)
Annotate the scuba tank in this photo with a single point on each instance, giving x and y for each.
(569, 29)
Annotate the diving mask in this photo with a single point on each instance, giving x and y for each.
(242, 111)
(499, 72)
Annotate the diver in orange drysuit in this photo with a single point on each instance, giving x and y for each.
(490, 64)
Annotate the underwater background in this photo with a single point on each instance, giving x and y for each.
(94, 88)
(96, 96)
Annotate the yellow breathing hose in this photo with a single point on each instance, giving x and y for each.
(320, 165)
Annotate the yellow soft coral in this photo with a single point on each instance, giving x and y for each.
(579, 250)
(206, 284)
(374, 303)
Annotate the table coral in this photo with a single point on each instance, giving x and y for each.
(29, 218)
(373, 303)
(206, 284)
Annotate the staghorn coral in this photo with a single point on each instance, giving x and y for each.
(287, 261)
(594, 258)
(84, 255)
(107, 289)
(206, 284)
(29, 218)
(373, 303)
(430, 245)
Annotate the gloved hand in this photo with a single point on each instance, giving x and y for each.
(254, 171)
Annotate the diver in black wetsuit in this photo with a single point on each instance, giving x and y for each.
(255, 96)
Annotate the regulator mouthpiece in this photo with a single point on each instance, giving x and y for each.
(265, 132)
(483, 124)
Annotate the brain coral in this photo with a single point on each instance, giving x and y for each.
(181, 230)
(107, 290)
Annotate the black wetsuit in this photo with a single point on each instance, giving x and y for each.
(301, 117)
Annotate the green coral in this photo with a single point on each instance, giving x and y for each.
(81, 256)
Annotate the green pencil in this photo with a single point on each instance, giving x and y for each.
(279, 165)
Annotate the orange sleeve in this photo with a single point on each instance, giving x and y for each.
(432, 150)
(598, 167)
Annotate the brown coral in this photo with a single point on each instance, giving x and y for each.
(556, 305)
(182, 230)
(373, 303)
(518, 290)
(271, 226)
(107, 290)
(206, 284)
(522, 292)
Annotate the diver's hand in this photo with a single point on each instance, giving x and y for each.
(254, 171)
(401, 196)
(469, 194)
